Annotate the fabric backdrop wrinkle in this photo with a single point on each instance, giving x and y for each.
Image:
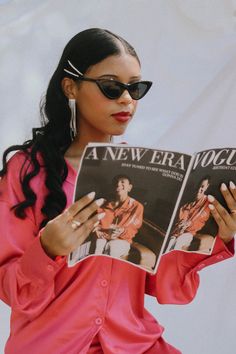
(14, 10)
(188, 49)
(204, 121)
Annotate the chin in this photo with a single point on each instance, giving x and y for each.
(118, 132)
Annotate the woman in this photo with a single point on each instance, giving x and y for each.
(96, 306)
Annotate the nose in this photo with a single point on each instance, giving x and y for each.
(125, 97)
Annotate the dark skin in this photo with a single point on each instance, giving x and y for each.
(58, 237)
(225, 221)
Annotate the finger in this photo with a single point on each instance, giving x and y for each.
(225, 233)
(84, 215)
(231, 202)
(79, 204)
(232, 188)
(219, 211)
(219, 208)
(86, 228)
(217, 217)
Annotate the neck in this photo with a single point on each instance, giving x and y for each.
(81, 140)
(76, 149)
(122, 198)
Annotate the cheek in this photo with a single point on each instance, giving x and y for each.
(91, 105)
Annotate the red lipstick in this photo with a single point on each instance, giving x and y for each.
(122, 116)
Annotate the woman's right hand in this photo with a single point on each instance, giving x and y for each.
(69, 230)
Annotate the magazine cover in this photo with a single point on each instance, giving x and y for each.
(194, 229)
(140, 187)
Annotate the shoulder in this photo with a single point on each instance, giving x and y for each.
(17, 159)
(135, 203)
(23, 161)
(19, 164)
(15, 165)
(10, 184)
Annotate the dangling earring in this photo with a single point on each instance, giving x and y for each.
(73, 130)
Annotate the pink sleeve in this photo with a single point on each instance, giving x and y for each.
(26, 272)
(177, 279)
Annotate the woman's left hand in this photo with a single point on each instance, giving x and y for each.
(226, 221)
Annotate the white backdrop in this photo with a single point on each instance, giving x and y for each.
(188, 48)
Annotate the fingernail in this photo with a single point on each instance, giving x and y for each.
(96, 223)
(91, 195)
(210, 198)
(101, 215)
(100, 201)
(223, 187)
(232, 185)
(211, 207)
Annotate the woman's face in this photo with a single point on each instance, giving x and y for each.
(100, 117)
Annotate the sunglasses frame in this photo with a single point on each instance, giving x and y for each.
(120, 84)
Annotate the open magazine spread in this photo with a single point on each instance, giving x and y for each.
(155, 201)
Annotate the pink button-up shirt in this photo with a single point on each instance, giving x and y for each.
(61, 310)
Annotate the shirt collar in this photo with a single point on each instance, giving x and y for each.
(72, 173)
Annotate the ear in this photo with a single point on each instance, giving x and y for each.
(69, 87)
(130, 187)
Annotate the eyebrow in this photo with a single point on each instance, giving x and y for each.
(117, 77)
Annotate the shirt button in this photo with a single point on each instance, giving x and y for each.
(104, 283)
(50, 268)
(98, 321)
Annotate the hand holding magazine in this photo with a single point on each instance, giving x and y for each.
(156, 201)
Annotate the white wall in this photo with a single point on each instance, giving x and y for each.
(188, 48)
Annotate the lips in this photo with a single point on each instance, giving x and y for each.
(122, 116)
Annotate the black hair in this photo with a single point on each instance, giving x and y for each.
(118, 177)
(53, 138)
(204, 178)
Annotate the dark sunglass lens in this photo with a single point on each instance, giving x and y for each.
(111, 89)
(138, 90)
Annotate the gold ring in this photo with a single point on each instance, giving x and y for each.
(75, 224)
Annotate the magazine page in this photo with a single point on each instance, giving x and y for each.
(140, 187)
(194, 229)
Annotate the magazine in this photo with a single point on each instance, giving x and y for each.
(155, 201)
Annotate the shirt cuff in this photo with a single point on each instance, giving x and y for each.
(230, 246)
(220, 246)
(36, 265)
(221, 251)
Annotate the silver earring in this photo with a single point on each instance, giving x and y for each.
(73, 129)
